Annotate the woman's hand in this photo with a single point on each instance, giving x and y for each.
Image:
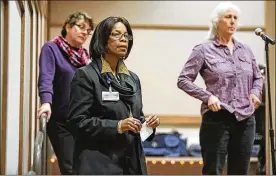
(152, 121)
(214, 103)
(254, 100)
(45, 108)
(131, 124)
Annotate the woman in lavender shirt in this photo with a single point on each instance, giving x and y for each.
(233, 90)
(58, 62)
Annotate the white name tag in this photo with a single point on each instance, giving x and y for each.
(110, 96)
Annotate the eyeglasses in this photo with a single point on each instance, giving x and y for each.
(82, 28)
(118, 36)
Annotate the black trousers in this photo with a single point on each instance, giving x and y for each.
(63, 144)
(222, 135)
(260, 128)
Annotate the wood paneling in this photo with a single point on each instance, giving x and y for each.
(172, 166)
(181, 120)
(21, 108)
(184, 166)
(4, 90)
(270, 30)
(20, 5)
(43, 6)
(30, 6)
(172, 27)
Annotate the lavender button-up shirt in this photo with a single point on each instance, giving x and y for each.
(231, 78)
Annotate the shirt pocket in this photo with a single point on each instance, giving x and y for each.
(245, 63)
(216, 64)
(214, 59)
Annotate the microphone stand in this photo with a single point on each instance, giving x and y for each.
(271, 130)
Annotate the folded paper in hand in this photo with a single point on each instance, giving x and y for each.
(145, 132)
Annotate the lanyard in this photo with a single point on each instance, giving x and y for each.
(130, 112)
(109, 83)
(110, 90)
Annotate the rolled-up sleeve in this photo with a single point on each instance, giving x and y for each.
(189, 73)
(258, 81)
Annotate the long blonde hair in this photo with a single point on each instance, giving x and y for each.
(216, 15)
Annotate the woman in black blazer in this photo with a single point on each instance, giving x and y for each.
(106, 106)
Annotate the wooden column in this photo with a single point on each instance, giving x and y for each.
(270, 31)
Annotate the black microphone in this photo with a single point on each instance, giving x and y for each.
(260, 33)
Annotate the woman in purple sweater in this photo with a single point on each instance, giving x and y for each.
(58, 62)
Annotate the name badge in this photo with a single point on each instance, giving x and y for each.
(110, 96)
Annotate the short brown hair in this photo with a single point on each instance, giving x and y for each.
(73, 19)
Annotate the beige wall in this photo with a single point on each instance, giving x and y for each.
(155, 12)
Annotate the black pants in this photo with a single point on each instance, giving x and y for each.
(63, 144)
(222, 135)
(260, 128)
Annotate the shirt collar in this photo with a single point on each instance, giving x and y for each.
(121, 67)
(237, 44)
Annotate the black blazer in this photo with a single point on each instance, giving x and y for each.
(99, 148)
